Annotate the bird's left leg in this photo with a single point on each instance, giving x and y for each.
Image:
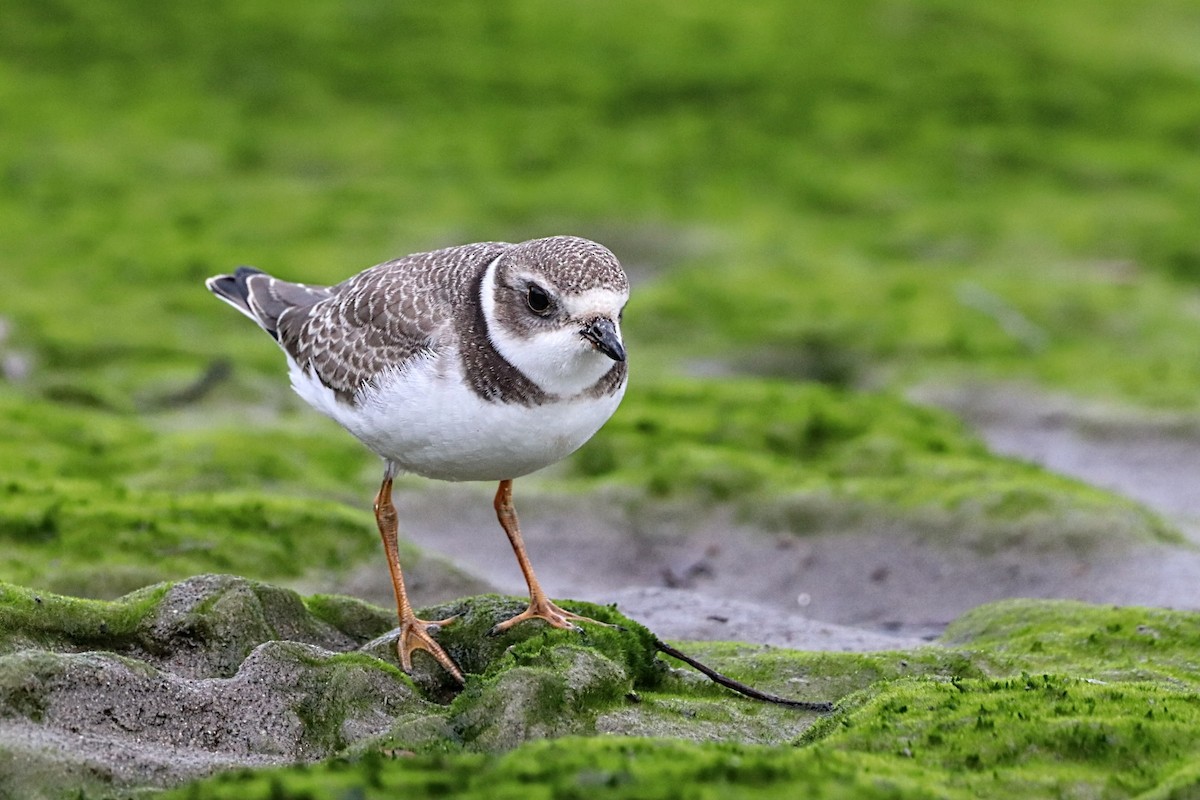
(540, 606)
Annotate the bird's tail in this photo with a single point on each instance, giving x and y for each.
(262, 297)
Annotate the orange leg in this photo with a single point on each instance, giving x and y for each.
(540, 606)
(414, 632)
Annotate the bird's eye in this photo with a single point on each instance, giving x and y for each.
(538, 300)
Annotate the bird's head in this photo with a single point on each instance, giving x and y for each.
(553, 308)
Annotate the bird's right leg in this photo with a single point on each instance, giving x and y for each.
(414, 632)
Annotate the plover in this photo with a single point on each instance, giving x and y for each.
(482, 362)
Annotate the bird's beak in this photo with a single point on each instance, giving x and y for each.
(602, 333)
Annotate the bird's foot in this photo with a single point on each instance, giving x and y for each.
(415, 635)
(545, 609)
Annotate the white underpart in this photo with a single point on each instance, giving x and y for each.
(427, 420)
(561, 362)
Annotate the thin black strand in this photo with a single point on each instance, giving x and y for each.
(741, 688)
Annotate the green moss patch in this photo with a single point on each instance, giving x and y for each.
(613, 635)
(860, 194)
(1021, 696)
(1038, 735)
(1130, 644)
(1044, 736)
(977, 717)
(810, 457)
(572, 767)
(29, 618)
(226, 671)
(96, 503)
(95, 538)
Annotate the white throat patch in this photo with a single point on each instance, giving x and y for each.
(561, 362)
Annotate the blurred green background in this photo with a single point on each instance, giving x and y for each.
(825, 207)
(862, 183)
(815, 200)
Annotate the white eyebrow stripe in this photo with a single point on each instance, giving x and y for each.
(594, 302)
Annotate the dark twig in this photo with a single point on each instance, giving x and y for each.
(216, 373)
(741, 688)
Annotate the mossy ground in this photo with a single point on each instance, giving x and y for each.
(99, 504)
(810, 457)
(1020, 696)
(791, 206)
(1031, 698)
(862, 195)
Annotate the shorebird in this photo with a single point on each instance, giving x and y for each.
(483, 362)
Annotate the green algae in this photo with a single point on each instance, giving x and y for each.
(354, 617)
(797, 454)
(99, 503)
(803, 457)
(572, 767)
(860, 185)
(903, 189)
(264, 646)
(338, 687)
(37, 619)
(978, 716)
(100, 539)
(784, 314)
(612, 634)
(155, 452)
(1004, 639)
(1036, 735)
(597, 664)
(1040, 697)
(869, 272)
(829, 675)
(1040, 737)
(1115, 643)
(105, 504)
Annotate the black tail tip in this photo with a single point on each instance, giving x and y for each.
(232, 286)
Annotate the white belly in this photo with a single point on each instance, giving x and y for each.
(427, 421)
